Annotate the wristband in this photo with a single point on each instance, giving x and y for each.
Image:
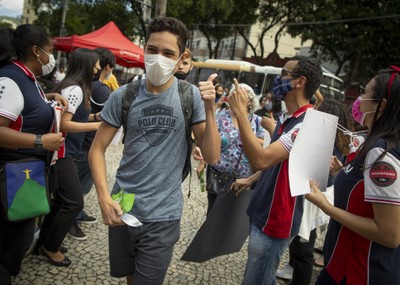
(38, 142)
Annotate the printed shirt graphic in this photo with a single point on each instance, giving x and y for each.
(355, 191)
(154, 151)
(157, 123)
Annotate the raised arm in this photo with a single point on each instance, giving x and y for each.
(206, 134)
(259, 157)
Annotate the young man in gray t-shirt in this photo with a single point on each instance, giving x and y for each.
(153, 158)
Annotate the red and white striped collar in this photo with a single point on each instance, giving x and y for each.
(24, 69)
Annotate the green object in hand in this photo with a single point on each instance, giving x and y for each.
(202, 185)
(266, 115)
(125, 200)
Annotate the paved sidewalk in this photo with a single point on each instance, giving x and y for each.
(90, 257)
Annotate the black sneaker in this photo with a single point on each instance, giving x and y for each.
(76, 233)
(86, 219)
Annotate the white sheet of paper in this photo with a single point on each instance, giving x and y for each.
(131, 220)
(117, 137)
(311, 153)
(267, 139)
(57, 116)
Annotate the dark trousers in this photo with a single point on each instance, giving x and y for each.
(211, 200)
(302, 259)
(66, 204)
(85, 176)
(15, 240)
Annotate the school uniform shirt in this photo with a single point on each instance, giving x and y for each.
(99, 96)
(24, 103)
(74, 141)
(347, 254)
(272, 209)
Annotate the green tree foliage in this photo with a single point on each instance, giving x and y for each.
(357, 35)
(85, 16)
(213, 18)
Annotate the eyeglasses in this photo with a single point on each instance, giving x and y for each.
(97, 68)
(362, 90)
(285, 72)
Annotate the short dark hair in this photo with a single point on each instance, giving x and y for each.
(19, 43)
(310, 68)
(106, 57)
(172, 25)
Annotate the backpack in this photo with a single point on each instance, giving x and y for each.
(186, 97)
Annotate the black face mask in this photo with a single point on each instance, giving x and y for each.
(181, 76)
(96, 77)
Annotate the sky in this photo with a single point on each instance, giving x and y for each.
(11, 8)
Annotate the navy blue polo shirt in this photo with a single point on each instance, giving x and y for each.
(24, 103)
(348, 255)
(272, 209)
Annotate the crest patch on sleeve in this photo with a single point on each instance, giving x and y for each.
(383, 174)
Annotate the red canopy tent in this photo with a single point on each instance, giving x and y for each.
(109, 36)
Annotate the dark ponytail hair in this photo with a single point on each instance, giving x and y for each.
(80, 72)
(18, 44)
(387, 125)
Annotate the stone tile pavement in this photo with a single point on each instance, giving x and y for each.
(90, 257)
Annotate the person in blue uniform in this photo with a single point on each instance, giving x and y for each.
(363, 238)
(274, 214)
(26, 118)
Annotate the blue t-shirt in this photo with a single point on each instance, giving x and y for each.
(155, 150)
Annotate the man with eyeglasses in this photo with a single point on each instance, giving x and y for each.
(274, 214)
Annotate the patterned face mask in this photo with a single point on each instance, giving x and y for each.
(281, 87)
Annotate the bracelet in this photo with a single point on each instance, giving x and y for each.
(38, 142)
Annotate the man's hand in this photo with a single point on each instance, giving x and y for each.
(207, 89)
(197, 153)
(268, 123)
(238, 100)
(111, 212)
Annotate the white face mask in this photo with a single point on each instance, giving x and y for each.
(159, 69)
(47, 68)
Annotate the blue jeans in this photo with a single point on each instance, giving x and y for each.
(264, 254)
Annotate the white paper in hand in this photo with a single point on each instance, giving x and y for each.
(131, 220)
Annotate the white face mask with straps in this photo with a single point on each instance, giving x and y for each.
(47, 68)
(159, 69)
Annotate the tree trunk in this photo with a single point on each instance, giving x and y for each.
(161, 8)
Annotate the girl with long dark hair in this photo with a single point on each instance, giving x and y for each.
(363, 238)
(68, 200)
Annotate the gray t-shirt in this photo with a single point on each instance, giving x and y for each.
(154, 151)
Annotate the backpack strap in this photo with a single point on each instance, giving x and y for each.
(127, 100)
(186, 96)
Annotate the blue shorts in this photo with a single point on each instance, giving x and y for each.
(144, 251)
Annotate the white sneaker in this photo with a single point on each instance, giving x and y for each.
(286, 272)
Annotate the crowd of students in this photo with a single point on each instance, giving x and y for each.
(363, 238)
